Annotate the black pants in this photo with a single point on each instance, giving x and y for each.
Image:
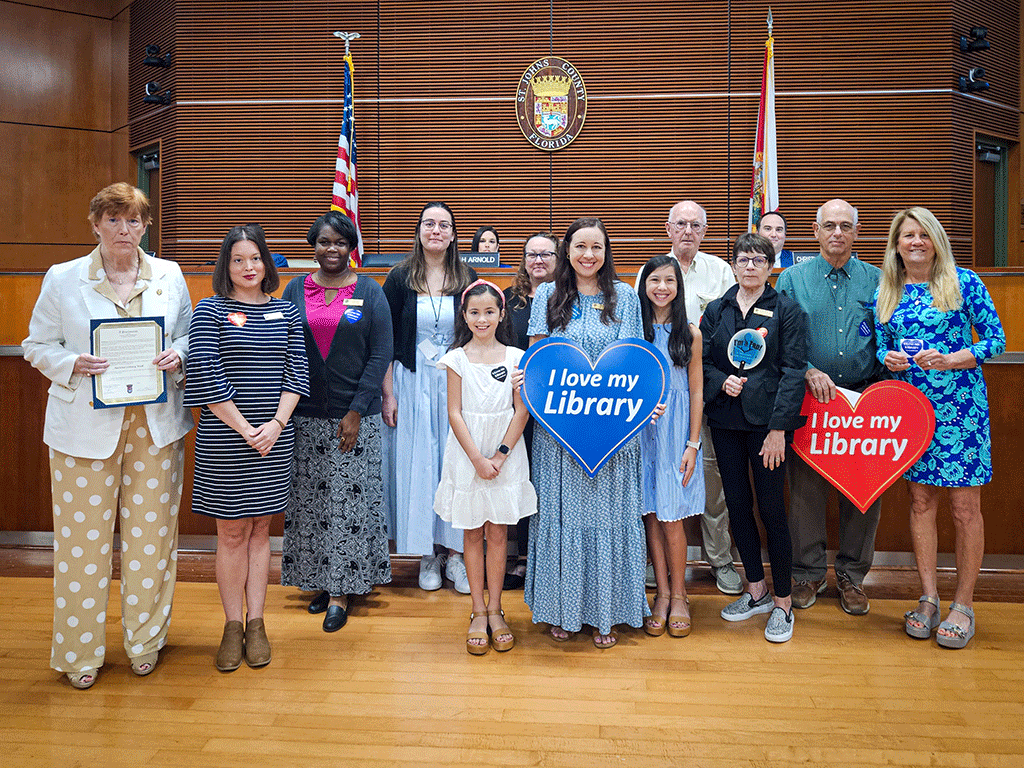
(736, 451)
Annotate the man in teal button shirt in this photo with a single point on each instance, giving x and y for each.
(837, 291)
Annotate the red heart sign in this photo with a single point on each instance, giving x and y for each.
(862, 449)
(237, 318)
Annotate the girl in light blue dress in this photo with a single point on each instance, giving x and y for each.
(673, 462)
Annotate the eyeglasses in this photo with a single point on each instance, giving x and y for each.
(542, 256)
(680, 226)
(829, 226)
(759, 261)
(429, 224)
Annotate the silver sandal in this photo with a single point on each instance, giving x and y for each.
(960, 636)
(929, 622)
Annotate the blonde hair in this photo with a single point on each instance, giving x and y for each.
(943, 282)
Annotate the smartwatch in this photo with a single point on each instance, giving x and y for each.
(503, 449)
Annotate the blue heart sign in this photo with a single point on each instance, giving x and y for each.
(593, 408)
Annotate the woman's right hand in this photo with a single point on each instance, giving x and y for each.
(733, 385)
(90, 365)
(896, 361)
(389, 410)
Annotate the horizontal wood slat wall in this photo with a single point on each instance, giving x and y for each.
(863, 112)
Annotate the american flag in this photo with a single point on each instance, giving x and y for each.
(764, 184)
(346, 187)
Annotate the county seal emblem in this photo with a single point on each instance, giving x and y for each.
(551, 103)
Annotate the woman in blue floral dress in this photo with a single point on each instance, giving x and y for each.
(587, 553)
(925, 310)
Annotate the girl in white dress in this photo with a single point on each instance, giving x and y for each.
(485, 480)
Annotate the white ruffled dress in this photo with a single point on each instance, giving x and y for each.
(463, 498)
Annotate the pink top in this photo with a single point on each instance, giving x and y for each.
(323, 318)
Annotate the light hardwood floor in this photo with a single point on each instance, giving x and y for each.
(396, 687)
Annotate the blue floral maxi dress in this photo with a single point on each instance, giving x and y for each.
(662, 446)
(587, 553)
(960, 453)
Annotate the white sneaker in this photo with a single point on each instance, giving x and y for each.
(455, 570)
(430, 572)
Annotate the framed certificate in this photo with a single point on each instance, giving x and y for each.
(129, 344)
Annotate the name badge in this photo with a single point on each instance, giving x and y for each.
(274, 316)
(599, 307)
(763, 312)
(353, 302)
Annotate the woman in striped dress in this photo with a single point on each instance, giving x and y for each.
(247, 372)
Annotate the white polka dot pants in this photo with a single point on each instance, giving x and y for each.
(145, 483)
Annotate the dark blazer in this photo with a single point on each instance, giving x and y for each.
(361, 351)
(402, 299)
(774, 392)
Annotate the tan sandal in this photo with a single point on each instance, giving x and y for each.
(504, 645)
(679, 618)
(613, 636)
(82, 680)
(654, 625)
(477, 649)
(143, 665)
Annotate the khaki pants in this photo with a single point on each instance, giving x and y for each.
(145, 483)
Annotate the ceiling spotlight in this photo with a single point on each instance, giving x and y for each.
(153, 95)
(150, 161)
(978, 41)
(154, 59)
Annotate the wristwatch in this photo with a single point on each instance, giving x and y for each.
(504, 449)
(695, 445)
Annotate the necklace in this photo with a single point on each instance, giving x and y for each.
(130, 281)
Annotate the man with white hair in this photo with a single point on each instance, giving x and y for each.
(837, 291)
(705, 278)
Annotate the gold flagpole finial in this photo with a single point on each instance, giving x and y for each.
(348, 37)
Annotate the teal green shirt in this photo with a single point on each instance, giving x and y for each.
(839, 305)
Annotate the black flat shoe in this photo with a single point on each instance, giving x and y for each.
(319, 603)
(335, 618)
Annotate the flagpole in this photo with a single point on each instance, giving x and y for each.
(348, 37)
(345, 194)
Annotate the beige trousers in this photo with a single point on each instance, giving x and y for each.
(145, 483)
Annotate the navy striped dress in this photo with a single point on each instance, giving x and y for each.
(249, 354)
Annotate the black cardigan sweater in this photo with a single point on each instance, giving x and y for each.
(351, 376)
(402, 299)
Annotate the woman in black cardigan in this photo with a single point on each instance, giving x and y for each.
(335, 534)
(423, 292)
(752, 414)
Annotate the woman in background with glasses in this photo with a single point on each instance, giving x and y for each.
(423, 293)
(538, 266)
(752, 414)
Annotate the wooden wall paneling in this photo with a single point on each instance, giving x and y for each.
(24, 459)
(52, 175)
(56, 67)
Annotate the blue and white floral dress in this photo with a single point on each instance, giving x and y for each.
(960, 453)
(588, 552)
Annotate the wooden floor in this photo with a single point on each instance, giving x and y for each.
(396, 687)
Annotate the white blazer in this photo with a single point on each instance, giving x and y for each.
(59, 332)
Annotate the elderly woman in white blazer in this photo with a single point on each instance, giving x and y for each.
(105, 461)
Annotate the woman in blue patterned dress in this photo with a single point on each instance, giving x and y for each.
(247, 370)
(925, 310)
(587, 552)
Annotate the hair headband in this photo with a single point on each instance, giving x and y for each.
(483, 282)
